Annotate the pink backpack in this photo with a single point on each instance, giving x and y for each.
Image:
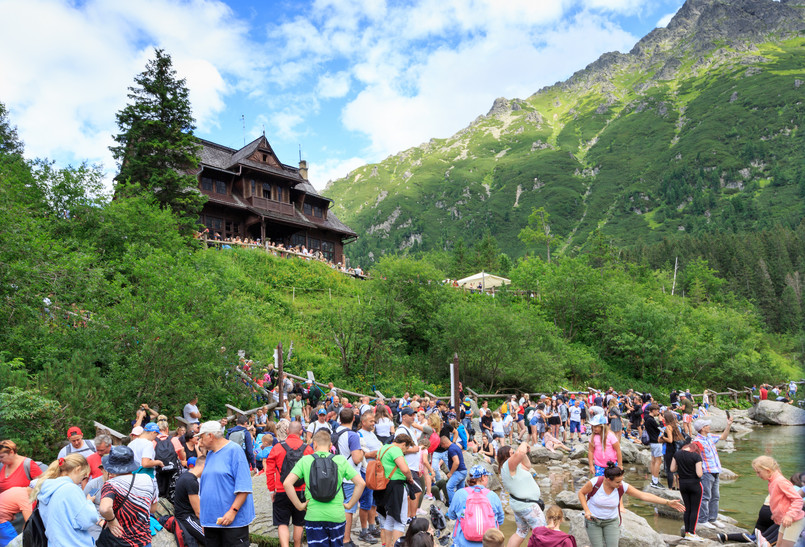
(478, 515)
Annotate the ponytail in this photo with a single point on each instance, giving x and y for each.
(60, 468)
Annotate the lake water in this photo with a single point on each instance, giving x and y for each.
(740, 499)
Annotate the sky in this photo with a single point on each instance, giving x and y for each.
(349, 81)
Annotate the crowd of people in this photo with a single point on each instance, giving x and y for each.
(326, 458)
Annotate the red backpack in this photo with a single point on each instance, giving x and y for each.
(478, 515)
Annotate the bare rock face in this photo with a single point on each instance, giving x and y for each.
(567, 499)
(540, 454)
(666, 494)
(777, 413)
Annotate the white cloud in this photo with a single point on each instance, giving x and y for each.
(322, 173)
(333, 86)
(663, 22)
(619, 6)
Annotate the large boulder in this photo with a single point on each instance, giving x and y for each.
(632, 451)
(776, 413)
(567, 499)
(471, 459)
(635, 530)
(666, 494)
(540, 454)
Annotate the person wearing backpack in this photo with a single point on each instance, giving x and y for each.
(325, 508)
(241, 436)
(475, 509)
(77, 444)
(601, 501)
(278, 465)
(15, 469)
(347, 443)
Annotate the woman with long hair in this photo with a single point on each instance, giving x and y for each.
(384, 426)
(673, 439)
(615, 420)
(604, 447)
(785, 501)
(554, 421)
(687, 464)
(66, 512)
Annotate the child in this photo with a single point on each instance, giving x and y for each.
(550, 534)
(493, 538)
(552, 442)
(497, 425)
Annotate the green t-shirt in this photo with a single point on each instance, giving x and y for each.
(388, 454)
(687, 406)
(296, 408)
(333, 510)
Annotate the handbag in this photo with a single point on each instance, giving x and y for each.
(107, 538)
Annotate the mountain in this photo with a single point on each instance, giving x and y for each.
(697, 129)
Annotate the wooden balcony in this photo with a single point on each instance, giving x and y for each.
(271, 205)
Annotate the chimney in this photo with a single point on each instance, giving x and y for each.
(303, 169)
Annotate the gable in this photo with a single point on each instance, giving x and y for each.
(265, 156)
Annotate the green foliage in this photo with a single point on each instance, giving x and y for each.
(538, 230)
(34, 422)
(156, 147)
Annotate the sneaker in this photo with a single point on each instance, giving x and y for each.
(349, 544)
(761, 540)
(693, 537)
(422, 513)
(366, 537)
(375, 532)
(429, 497)
(723, 537)
(656, 485)
(705, 525)
(718, 524)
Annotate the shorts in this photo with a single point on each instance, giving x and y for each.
(656, 450)
(553, 420)
(520, 418)
(349, 488)
(416, 487)
(284, 511)
(325, 534)
(227, 536)
(792, 532)
(599, 471)
(367, 500)
(575, 427)
(527, 520)
(389, 523)
(687, 418)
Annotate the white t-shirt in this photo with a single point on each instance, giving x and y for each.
(575, 413)
(411, 459)
(85, 450)
(369, 443)
(497, 427)
(383, 427)
(347, 442)
(315, 426)
(142, 448)
(188, 408)
(603, 506)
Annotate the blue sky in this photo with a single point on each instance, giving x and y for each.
(351, 81)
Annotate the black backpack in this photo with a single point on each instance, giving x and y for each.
(291, 457)
(33, 535)
(166, 453)
(324, 481)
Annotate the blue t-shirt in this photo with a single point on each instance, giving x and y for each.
(454, 450)
(226, 473)
(462, 434)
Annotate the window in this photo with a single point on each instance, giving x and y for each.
(313, 244)
(308, 209)
(254, 187)
(207, 184)
(220, 187)
(266, 190)
(317, 211)
(278, 197)
(298, 239)
(328, 250)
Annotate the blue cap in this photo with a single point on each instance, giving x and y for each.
(322, 411)
(151, 427)
(478, 471)
(191, 462)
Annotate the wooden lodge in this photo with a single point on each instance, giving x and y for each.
(252, 194)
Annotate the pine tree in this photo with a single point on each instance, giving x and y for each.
(156, 147)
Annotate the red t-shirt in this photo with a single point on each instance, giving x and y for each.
(764, 394)
(94, 461)
(18, 477)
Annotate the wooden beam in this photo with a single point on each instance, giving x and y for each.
(433, 396)
(117, 437)
(379, 395)
(472, 392)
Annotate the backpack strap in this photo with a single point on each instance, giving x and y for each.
(597, 487)
(381, 464)
(26, 465)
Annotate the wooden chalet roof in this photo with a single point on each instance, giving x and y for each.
(223, 158)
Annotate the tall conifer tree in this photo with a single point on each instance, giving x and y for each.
(156, 146)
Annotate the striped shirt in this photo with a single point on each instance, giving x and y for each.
(710, 461)
(133, 514)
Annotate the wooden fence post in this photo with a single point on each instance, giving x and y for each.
(279, 384)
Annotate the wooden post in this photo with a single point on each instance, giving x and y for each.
(279, 384)
(293, 295)
(673, 286)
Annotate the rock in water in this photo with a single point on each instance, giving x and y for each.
(635, 530)
(567, 499)
(777, 413)
(666, 494)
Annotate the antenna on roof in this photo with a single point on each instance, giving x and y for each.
(243, 119)
(300, 153)
(264, 130)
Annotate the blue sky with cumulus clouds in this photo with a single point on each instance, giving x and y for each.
(350, 81)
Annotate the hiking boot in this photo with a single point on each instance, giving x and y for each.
(375, 532)
(365, 537)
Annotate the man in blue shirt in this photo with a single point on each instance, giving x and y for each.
(225, 490)
(458, 471)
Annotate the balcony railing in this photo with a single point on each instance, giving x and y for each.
(271, 205)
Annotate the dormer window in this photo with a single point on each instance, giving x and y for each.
(220, 187)
(308, 209)
(265, 157)
(317, 212)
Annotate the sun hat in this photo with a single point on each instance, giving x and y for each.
(119, 461)
(74, 431)
(210, 427)
(137, 431)
(598, 419)
(700, 424)
(478, 471)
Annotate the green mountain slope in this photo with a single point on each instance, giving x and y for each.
(697, 129)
